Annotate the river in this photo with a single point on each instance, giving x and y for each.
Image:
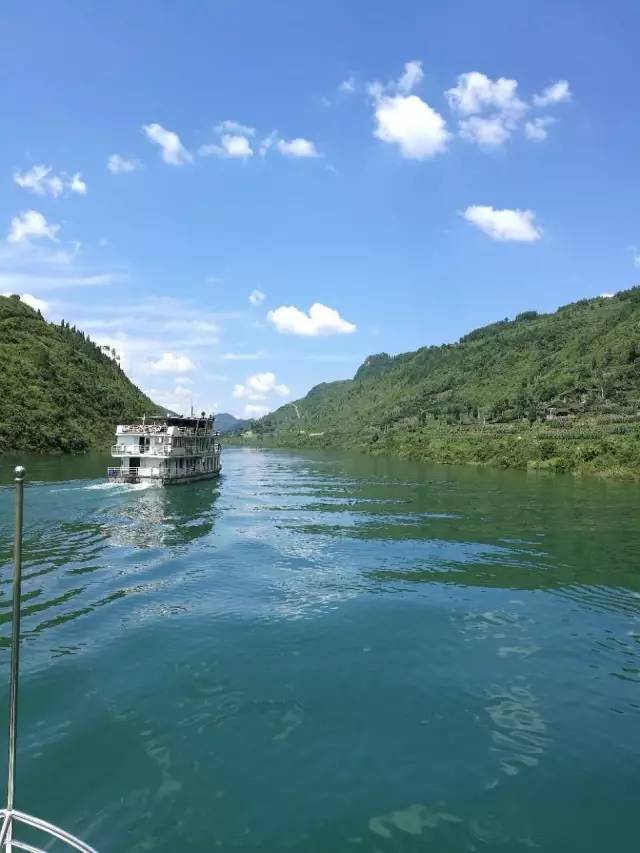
(326, 652)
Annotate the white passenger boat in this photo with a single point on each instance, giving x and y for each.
(166, 450)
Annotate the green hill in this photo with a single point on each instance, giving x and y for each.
(229, 423)
(558, 391)
(58, 391)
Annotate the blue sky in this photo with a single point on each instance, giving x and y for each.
(412, 169)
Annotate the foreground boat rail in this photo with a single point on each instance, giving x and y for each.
(10, 816)
(8, 842)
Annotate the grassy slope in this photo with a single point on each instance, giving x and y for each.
(486, 398)
(58, 391)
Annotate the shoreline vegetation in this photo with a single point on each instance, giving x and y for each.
(552, 392)
(59, 391)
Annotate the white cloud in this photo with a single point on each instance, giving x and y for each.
(171, 362)
(252, 410)
(119, 165)
(556, 93)
(230, 126)
(232, 147)
(31, 224)
(37, 180)
(234, 141)
(40, 180)
(412, 124)
(320, 321)
(297, 147)
(257, 297)
(485, 131)
(348, 86)
(267, 143)
(635, 257)
(77, 185)
(504, 225)
(259, 386)
(477, 93)
(411, 77)
(173, 151)
(32, 301)
(607, 295)
(406, 120)
(537, 129)
(243, 356)
(179, 400)
(39, 281)
(489, 109)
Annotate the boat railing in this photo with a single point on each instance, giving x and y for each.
(133, 450)
(134, 475)
(161, 450)
(10, 817)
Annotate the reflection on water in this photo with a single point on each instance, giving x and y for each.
(329, 652)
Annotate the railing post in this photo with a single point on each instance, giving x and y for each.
(19, 473)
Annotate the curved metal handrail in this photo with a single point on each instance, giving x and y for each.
(8, 841)
(10, 815)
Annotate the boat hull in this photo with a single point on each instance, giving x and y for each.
(164, 481)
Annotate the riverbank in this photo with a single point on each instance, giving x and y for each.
(588, 446)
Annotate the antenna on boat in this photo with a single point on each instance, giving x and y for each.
(10, 815)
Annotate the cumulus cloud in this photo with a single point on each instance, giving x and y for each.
(41, 180)
(537, 128)
(406, 120)
(77, 185)
(32, 301)
(320, 321)
(488, 132)
(504, 225)
(230, 126)
(171, 362)
(231, 146)
(556, 93)
(297, 147)
(119, 165)
(411, 77)
(173, 151)
(409, 122)
(31, 225)
(259, 386)
(233, 141)
(489, 110)
(607, 295)
(476, 93)
(257, 297)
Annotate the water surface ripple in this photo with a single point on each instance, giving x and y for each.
(325, 652)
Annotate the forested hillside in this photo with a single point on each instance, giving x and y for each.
(58, 391)
(559, 391)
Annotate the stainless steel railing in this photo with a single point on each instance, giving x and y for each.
(162, 450)
(11, 817)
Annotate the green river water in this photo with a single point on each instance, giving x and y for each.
(325, 652)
